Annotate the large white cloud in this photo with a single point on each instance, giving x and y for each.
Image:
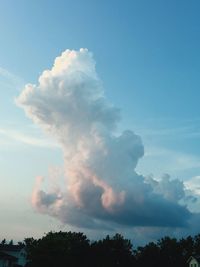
(101, 186)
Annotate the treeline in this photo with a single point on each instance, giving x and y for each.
(70, 249)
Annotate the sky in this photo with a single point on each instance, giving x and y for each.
(99, 112)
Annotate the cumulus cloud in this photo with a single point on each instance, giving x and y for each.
(193, 185)
(101, 186)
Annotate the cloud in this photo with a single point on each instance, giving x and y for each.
(13, 135)
(101, 188)
(159, 160)
(10, 80)
(193, 185)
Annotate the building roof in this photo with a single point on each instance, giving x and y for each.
(11, 247)
(6, 256)
(196, 257)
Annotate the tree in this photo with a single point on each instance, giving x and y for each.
(149, 255)
(170, 251)
(3, 242)
(187, 249)
(58, 249)
(11, 242)
(112, 251)
(166, 252)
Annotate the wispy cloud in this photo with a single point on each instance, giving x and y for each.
(186, 131)
(158, 159)
(21, 137)
(10, 79)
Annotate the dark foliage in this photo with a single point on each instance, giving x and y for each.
(58, 249)
(70, 249)
(110, 252)
(168, 252)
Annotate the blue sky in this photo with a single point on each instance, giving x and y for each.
(147, 56)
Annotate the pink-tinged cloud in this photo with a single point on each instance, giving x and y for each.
(102, 187)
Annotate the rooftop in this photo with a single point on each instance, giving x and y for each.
(11, 247)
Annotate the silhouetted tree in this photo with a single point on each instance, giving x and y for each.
(3, 242)
(148, 255)
(170, 252)
(187, 249)
(196, 241)
(110, 252)
(58, 249)
(11, 242)
(167, 252)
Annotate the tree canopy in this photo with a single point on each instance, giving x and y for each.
(71, 249)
